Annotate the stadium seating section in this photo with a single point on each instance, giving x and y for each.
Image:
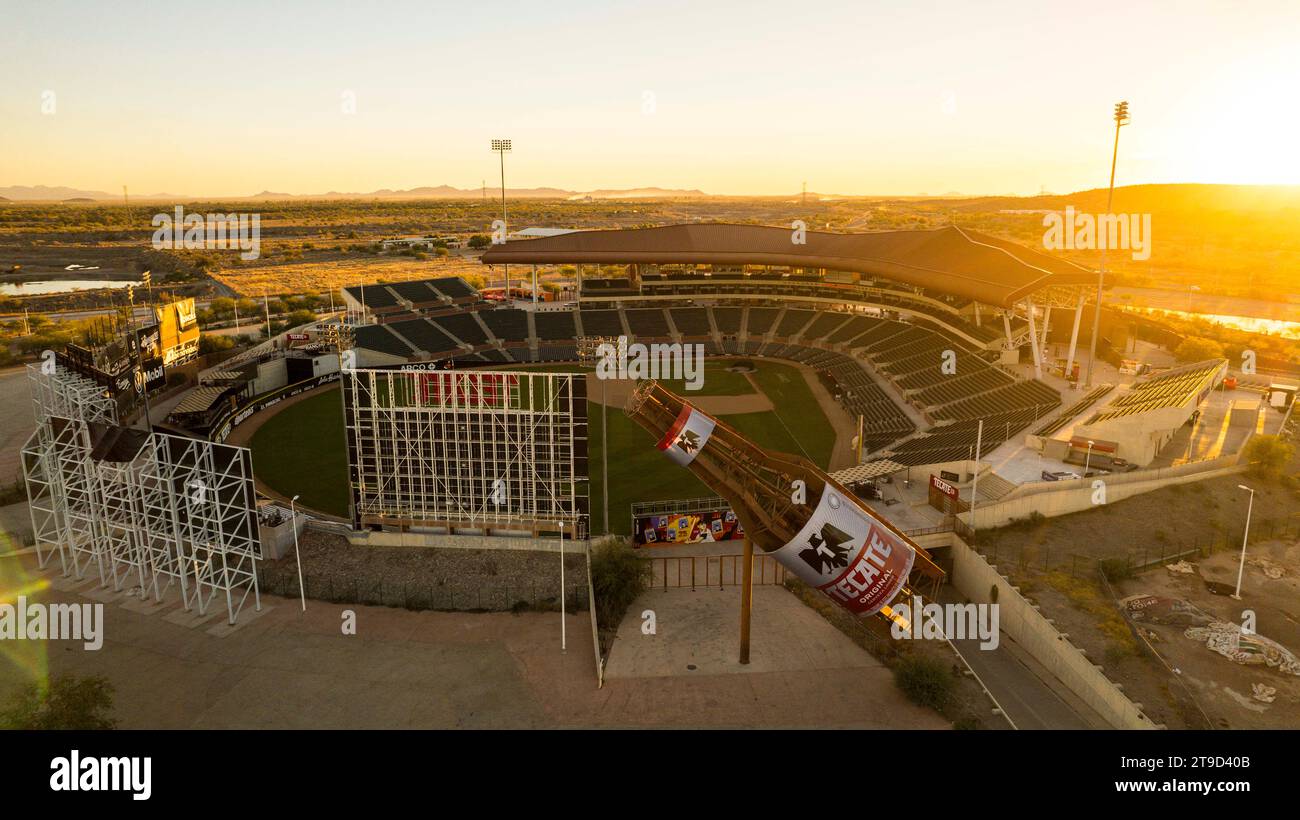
(856, 356)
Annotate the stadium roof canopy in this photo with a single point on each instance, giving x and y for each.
(950, 259)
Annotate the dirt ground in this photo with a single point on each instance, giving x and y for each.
(1188, 685)
(339, 270)
(1148, 527)
(1222, 687)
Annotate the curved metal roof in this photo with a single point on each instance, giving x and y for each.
(951, 260)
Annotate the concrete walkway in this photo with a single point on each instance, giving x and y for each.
(281, 668)
(826, 678)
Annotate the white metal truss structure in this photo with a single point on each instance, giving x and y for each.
(145, 510)
(61, 496)
(58, 391)
(478, 450)
(199, 500)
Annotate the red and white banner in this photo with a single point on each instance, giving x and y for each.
(688, 435)
(846, 553)
(943, 486)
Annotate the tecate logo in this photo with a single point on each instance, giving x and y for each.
(75, 773)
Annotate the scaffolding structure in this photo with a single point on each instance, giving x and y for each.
(145, 511)
(467, 450)
(59, 391)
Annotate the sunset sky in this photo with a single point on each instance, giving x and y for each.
(744, 98)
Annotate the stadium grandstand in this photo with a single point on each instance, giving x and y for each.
(873, 314)
(388, 302)
(1139, 421)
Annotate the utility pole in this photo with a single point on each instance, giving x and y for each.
(1121, 120)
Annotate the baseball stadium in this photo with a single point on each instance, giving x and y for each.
(881, 354)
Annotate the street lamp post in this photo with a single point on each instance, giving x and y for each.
(297, 554)
(1087, 459)
(564, 641)
(1121, 120)
(1241, 567)
(501, 147)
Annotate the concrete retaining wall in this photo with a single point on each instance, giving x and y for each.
(468, 542)
(977, 580)
(1053, 498)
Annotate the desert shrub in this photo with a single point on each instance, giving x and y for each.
(68, 702)
(926, 681)
(618, 575)
(1115, 569)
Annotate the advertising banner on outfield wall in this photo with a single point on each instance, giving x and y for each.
(847, 554)
(221, 429)
(688, 528)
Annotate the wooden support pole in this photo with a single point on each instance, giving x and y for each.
(746, 598)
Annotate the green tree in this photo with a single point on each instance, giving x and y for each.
(300, 317)
(478, 240)
(211, 343)
(223, 307)
(68, 702)
(1268, 456)
(1198, 349)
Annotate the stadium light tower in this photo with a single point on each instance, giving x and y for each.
(1121, 120)
(501, 147)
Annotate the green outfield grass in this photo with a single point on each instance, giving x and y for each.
(798, 410)
(301, 449)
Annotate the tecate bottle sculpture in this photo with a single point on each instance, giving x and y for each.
(790, 508)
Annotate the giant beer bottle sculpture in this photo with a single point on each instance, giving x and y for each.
(823, 534)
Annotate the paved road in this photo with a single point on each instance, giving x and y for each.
(17, 422)
(1024, 689)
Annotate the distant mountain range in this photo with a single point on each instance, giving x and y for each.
(1130, 198)
(58, 193)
